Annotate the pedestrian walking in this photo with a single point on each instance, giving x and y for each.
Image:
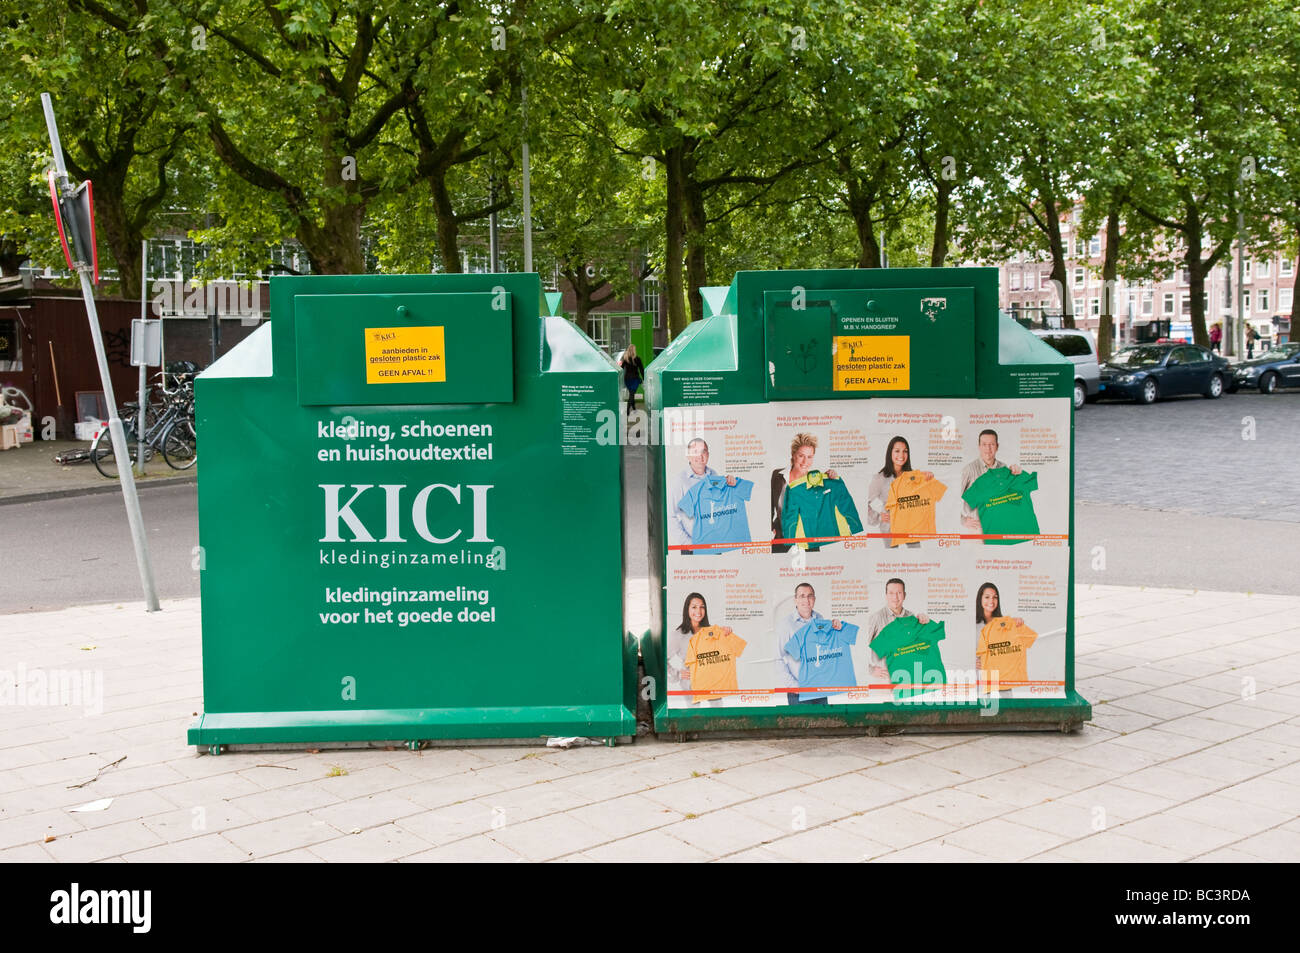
(1216, 336)
(1251, 337)
(633, 375)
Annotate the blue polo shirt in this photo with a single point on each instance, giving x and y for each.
(825, 659)
(717, 511)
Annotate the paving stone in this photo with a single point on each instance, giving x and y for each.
(549, 837)
(1178, 833)
(281, 834)
(697, 795)
(833, 844)
(897, 826)
(1110, 847)
(1277, 845)
(651, 847)
(1229, 814)
(204, 849)
(472, 850)
(960, 807)
(627, 815)
(724, 832)
(102, 843)
(376, 845)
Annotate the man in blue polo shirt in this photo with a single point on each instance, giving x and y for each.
(716, 506)
(823, 649)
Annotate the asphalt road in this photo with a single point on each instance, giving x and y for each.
(1189, 494)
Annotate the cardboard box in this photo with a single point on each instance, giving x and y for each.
(25, 434)
(88, 429)
(8, 437)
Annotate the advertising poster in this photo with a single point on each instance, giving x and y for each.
(882, 551)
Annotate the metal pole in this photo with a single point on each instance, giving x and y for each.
(144, 319)
(528, 200)
(115, 431)
(493, 264)
(1239, 332)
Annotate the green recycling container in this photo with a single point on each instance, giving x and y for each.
(861, 511)
(410, 529)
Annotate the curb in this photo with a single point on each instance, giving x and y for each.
(107, 487)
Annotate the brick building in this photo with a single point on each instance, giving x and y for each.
(1145, 309)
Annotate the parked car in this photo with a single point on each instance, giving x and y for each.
(1079, 348)
(1278, 367)
(1147, 372)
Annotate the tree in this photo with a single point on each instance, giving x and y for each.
(119, 118)
(704, 92)
(1204, 124)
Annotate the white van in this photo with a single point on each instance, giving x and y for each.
(1080, 348)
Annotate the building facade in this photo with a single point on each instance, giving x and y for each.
(1145, 310)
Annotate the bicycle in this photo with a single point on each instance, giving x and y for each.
(170, 432)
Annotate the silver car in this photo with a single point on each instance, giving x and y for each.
(1078, 346)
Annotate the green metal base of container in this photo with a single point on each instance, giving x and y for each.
(1020, 714)
(411, 725)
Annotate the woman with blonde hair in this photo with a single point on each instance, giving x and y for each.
(633, 375)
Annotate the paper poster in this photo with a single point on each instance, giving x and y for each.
(860, 552)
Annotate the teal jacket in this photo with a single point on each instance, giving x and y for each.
(818, 506)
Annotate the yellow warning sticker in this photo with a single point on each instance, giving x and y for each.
(872, 362)
(405, 355)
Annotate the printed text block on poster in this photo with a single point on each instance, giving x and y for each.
(872, 362)
(405, 355)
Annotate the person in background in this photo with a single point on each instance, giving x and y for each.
(1251, 337)
(633, 375)
(1216, 336)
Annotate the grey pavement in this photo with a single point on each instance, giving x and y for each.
(29, 474)
(1193, 755)
(1232, 457)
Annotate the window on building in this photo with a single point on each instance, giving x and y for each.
(1079, 277)
(1246, 268)
(1094, 307)
(1029, 281)
(1080, 247)
(1245, 303)
(1183, 277)
(1148, 299)
(598, 329)
(1168, 303)
(1094, 246)
(1078, 306)
(1186, 304)
(11, 353)
(1264, 267)
(1013, 280)
(1263, 300)
(1284, 299)
(650, 298)
(1287, 268)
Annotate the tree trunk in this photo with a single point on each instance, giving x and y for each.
(674, 243)
(697, 275)
(1109, 276)
(123, 241)
(942, 206)
(1196, 271)
(448, 228)
(11, 257)
(1057, 246)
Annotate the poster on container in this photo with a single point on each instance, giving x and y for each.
(867, 552)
